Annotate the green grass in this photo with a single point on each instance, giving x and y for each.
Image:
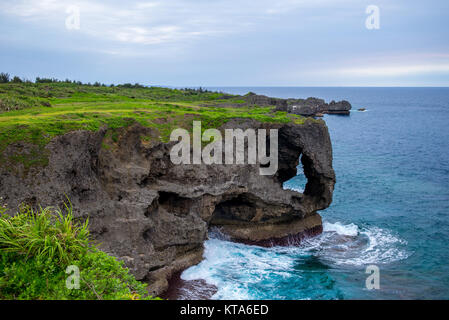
(36, 247)
(50, 110)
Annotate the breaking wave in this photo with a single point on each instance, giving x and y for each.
(242, 271)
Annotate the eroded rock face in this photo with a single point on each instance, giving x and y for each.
(340, 107)
(155, 215)
(261, 100)
(312, 106)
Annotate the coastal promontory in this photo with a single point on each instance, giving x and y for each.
(107, 150)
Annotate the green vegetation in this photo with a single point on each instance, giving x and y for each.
(36, 247)
(4, 77)
(33, 113)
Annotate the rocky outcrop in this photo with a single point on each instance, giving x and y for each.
(309, 107)
(155, 215)
(306, 107)
(340, 107)
(261, 100)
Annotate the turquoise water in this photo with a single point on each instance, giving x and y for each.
(390, 208)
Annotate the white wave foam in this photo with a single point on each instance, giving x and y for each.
(217, 233)
(346, 230)
(236, 269)
(297, 189)
(350, 245)
(383, 247)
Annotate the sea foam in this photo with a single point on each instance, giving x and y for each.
(242, 271)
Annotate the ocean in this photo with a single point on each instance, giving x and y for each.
(390, 207)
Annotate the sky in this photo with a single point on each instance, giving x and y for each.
(227, 42)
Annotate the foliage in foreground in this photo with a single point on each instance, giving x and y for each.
(37, 246)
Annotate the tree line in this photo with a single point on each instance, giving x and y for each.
(6, 78)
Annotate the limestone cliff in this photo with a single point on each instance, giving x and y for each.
(155, 215)
(309, 107)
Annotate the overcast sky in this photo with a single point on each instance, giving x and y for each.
(228, 43)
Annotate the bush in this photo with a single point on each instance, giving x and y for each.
(20, 102)
(44, 234)
(131, 86)
(4, 77)
(16, 79)
(46, 80)
(36, 247)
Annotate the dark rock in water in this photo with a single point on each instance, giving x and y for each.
(275, 235)
(155, 215)
(179, 289)
(341, 107)
(362, 109)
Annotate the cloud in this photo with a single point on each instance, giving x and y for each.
(138, 23)
(156, 22)
(397, 64)
(383, 69)
(266, 42)
(156, 35)
(31, 9)
(395, 70)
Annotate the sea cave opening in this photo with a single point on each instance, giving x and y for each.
(299, 181)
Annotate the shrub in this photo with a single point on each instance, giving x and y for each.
(131, 86)
(4, 77)
(36, 246)
(19, 102)
(46, 80)
(16, 79)
(45, 234)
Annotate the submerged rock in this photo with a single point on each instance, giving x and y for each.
(155, 215)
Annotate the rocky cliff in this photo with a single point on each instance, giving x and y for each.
(316, 107)
(155, 215)
(309, 107)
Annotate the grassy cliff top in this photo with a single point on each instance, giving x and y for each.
(37, 112)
